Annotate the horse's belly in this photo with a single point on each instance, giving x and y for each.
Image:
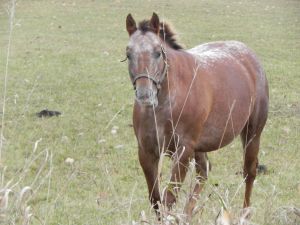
(214, 139)
(218, 131)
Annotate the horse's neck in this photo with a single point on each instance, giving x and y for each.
(179, 67)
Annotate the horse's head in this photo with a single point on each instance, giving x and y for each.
(146, 59)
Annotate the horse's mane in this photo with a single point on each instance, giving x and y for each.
(165, 32)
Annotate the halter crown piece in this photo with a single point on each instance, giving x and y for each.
(157, 82)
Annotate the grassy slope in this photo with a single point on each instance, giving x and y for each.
(65, 56)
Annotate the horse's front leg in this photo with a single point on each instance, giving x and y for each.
(180, 166)
(202, 167)
(149, 163)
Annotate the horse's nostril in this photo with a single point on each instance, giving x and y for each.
(142, 93)
(146, 96)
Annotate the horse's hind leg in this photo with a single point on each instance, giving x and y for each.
(250, 164)
(251, 140)
(202, 168)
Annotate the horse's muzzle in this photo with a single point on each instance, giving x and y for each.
(146, 96)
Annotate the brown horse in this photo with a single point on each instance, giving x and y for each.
(190, 102)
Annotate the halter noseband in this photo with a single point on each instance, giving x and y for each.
(157, 82)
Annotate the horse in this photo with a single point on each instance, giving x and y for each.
(191, 102)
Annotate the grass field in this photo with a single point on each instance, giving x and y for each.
(65, 56)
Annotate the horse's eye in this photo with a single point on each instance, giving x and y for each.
(157, 54)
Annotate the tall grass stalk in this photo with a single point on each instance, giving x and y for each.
(11, 13)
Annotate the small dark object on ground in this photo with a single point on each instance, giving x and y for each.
(262, 169)
(48, 113)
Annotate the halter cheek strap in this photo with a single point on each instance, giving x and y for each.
(157, 82)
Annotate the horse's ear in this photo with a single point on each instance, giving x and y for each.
(130, 24)
(154, 23)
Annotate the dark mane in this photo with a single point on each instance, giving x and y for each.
(165, 33)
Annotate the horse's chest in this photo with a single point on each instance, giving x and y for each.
(153, 133)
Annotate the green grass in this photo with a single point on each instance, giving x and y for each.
(65, 56)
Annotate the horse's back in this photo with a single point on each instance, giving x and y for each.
(237, 84)
(212, 53)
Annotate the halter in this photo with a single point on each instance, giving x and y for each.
(157, 82)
